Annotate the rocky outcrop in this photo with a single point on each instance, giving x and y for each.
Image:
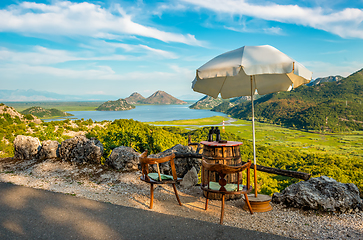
(207, 102)
(15, 114)
(81, 150)
(190, 179)
(26, 147)
(118, 105)
(49, 149)
(135, 98)
(182, 165)
(124, 159)
(322, 193)
(161, 97)
(317, 81)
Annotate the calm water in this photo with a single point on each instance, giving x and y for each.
(145, 113)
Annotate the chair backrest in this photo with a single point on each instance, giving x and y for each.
(224, 170)
(146, 161)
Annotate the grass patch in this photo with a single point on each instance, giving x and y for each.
(350, 144)
(63, 106)
(199, 122)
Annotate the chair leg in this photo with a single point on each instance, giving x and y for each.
(176, 194)
(151, 195)
(248, 204)
(206, 201)
(222, 210)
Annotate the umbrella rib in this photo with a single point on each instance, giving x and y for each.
(220, 90)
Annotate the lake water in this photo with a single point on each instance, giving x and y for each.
(145, 113)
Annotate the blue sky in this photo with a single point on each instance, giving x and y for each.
(114, 47)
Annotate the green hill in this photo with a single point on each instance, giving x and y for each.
(207, 102)
(118, 105)
(328, 106)
(45, 113)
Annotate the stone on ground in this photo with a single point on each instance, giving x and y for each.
(321, 193)
(26, 147)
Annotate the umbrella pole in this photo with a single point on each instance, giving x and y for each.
(253, 137)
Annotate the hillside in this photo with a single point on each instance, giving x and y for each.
(45, 113)
(207, 102)
(9, 114)
(161, 97)
(135, 98)
(325, 79)
(118, 105)
(225, 105)
(328, 106)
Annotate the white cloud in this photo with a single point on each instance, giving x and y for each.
(345, 23)
(39, 55)
(325, 69)
(64, 18)
(99, 72)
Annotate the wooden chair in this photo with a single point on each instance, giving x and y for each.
(158, 178)
(222, 187)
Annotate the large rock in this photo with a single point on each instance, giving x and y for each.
(81, 150)
(49, 149)
(182, 165)
(190, 179)
(322, 193)
(124, 159)
(26, 147)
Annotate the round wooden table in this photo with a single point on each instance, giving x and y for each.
(224, 153)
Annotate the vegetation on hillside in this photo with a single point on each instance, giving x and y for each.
(207, 102)
(137, 135)
(45, 113)
(118, 105)
(341, 168)
(330, 106)
(141, 136)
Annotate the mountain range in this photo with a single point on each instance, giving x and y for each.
(326, 106)
(159, 97)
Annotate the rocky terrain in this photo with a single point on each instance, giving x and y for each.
(325, 79)
(135, 98)
(161, 97)
(73, 168)
(100, 183)
(118, 105)
(10, 111)
(207, 102)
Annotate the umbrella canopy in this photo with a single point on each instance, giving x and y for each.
(230, 73)
(248, 69)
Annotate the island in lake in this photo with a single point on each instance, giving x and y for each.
(157, 98)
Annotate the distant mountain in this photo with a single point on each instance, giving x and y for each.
(118, 105)
(135, 98)
(45, 113)
(207, 102)
(325, 79)
(161, 97)
(328, 106)
(31, 95)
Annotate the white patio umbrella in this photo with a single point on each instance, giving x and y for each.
(248, 69)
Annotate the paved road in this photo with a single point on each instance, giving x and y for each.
(27, 213)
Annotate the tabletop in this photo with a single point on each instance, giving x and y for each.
(217, 144)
